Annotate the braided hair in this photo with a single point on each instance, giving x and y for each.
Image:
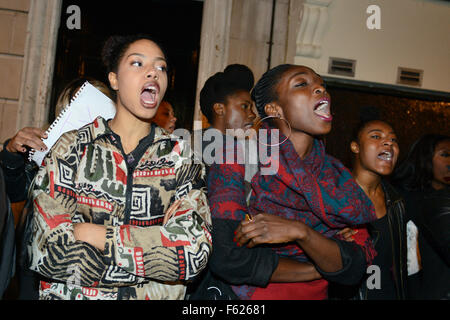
(264, 91)
(219, 87)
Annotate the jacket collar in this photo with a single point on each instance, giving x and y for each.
(100, 128)
(391, 194)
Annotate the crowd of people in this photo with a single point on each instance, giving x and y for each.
(122, 209)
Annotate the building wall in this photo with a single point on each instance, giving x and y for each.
(13, 32)
(413, 34)
(239, 31)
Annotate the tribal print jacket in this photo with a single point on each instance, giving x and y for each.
(86, 177)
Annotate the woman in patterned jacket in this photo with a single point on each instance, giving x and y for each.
(119, 208)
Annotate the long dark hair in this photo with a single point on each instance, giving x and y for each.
(415, 173)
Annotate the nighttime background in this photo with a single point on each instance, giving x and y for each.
(177, 25)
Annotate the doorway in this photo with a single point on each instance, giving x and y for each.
(176, 24)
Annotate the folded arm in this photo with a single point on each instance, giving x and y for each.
(239, 264)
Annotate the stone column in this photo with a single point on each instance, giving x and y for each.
(238, 31)
(37, 75)
(214, 44)
(312, 29)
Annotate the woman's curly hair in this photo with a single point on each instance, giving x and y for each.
(115, 46)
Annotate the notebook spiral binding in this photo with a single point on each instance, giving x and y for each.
(61, 114)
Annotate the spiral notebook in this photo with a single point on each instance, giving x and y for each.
(87, 104)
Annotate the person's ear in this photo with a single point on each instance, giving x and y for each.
(273, 110)
(112, 77)
(354, 147)
(219, 109)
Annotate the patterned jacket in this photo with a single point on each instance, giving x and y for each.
(86, 177)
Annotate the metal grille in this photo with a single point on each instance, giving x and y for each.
(342, 67)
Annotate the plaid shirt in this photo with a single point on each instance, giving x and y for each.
(86, 177)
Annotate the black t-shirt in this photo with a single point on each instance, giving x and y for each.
(384, 260)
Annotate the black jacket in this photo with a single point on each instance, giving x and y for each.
(436, 222)
(7, 243)
(18, 176)
(395, 211)
(431, 213)
(18, 173)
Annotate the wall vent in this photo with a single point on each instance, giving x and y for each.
(408, 76)
(342, 67)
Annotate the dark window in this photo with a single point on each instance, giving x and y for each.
(176, 24)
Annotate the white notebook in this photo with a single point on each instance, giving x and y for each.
(87, 104)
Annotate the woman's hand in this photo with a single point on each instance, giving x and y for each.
(27, 137)
(171, 211)
(93, 234)
(347, 234)
(268, 228)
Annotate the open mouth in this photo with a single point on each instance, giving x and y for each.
(386, 156)
(149, 95)
(323, 109)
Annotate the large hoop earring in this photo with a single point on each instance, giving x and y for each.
(279, 118)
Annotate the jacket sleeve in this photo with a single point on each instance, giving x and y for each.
(239, 265)
(356, 256)
(353, 264)
(7, 240)
(13, 165)
(436, 222)
(53, 250)
(236, 265)
(178, 250)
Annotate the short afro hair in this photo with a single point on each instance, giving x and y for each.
(235, 77)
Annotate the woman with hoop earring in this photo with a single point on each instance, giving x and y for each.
(226, 102)
(298, 210)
